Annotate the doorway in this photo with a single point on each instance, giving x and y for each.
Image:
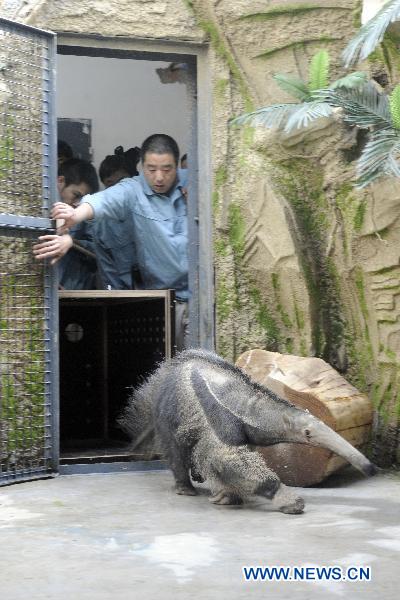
(126, 95)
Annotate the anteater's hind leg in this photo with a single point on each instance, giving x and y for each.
(178, 458)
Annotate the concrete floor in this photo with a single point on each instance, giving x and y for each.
(125, 536)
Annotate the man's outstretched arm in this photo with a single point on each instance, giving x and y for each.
(71, 216)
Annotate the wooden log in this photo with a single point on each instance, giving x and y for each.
(314, 385)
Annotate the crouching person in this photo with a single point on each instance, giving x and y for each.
(73, 250)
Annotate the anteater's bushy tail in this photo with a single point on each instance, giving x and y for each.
(137, 421)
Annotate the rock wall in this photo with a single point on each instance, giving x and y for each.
(304, 263)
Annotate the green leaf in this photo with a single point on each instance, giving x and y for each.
(371, 34)
(352, 80)
(319, 71)
(379, 157)
(293, 86)
(394, 103)
(306, 113)
(272, 117)
(364, 107)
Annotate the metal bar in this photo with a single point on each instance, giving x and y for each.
(104, 359)
(6, 23)
(140, 465)
(169, 324)
(41, 224)
(193, 211)
(79, 294)
(49, 185)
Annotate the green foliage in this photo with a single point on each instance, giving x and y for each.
(379, 157)
(367, 108)
(223, 300)
(237, 230)
(351, 81)
(6, 149)
(319, 71)
(371, 34)
(221, 49)
(294, 86)
(290, 116)
(301, 184)
(394, 103)
(364, 107)
(359, 216)
(265, 318)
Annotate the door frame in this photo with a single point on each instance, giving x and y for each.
(201, 272)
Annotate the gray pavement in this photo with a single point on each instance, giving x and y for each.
(124, 536)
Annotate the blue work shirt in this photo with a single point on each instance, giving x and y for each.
(115, 252)
(76, 270)
(159, 229)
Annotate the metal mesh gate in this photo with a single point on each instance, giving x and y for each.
(28, 300)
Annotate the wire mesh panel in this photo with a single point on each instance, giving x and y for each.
(25, 77)
(25, 403)
(28, 316)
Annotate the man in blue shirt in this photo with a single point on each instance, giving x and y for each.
(155, 205)
(77, 266)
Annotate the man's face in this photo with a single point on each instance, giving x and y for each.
(73, 193)
(159, 171)
(114, 178)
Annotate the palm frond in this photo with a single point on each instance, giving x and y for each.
(369, 36)
(306, 113)
(394, 103)
(319, 71)
(350, 81)
(364, 107)
(272, 117)
(379, 157)
(293, 86)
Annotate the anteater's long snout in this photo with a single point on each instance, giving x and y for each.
(327, 438)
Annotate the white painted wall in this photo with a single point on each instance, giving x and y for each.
(125, 100)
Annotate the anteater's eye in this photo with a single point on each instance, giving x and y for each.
(307, 432)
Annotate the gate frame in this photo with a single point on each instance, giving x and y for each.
(14, 222)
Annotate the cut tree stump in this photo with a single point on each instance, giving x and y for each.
(312, 384)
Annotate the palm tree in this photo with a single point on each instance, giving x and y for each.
(309, 106)
(371, 34)
(367, 108)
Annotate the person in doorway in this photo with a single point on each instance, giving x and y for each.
(113, 240)
(155, 205)
(119, 165)
(77, 269)
(184, 164)
(64, 152)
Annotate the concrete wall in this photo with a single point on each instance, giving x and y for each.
(124, 98)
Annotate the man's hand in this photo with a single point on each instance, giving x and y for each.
(52, 246)
(65, 212)
(71, 216)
